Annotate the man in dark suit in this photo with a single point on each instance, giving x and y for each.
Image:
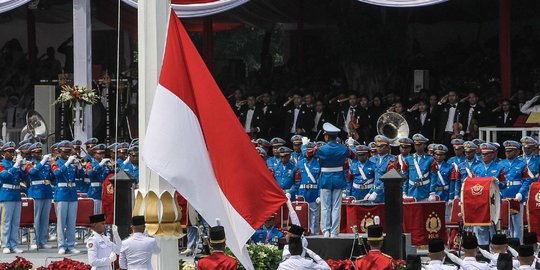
(319, 118)
(270, 115)
(449, 114)
(421, 120)
(252, 119)
(506, 116)
(473, 116)
(348, 118)
(297, 118)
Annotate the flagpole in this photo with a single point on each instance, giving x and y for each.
(152, 28)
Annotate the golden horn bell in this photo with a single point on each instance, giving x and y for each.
(393, 126)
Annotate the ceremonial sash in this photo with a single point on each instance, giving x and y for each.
(533, 207)
(362, 172)
(469, 174)
(417, 167)
(481, 201)
(400, 160)
(309, 174)
(441, 178)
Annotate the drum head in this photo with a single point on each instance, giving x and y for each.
(495, 201)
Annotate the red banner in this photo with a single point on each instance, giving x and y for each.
(476, 207)
(362, 216)
(533, 208)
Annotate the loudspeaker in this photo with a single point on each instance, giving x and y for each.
(421, 80)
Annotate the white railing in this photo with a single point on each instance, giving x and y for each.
(489, 134)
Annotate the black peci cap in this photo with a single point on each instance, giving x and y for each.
(137, 221)
(530, 238)
(499, 239)
(295, 229)
(436, 245)
(526, 251)
(97, 218)
(469, 242)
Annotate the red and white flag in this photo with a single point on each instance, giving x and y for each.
(197, 144)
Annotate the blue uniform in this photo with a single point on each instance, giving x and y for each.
(465, 168)
(309, 171)
(272, 162)
(533, 164)
(39, 177)
(383, 164)
(363, 177)
(266, 235)
(132, 169)
(332, 157)
(297, 157)
(284, 175)
(10, 197)
(454, 162)
(97, 174)
(418, 168)
(65, 202)
(440, 180)
(517, 181)
(481, 170)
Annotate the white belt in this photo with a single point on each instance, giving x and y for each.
(95, 184)
(65, 185)
(41, 182)
(308, 186)
(332, 169)
(513, 183)
(418, 184)
(10, 186)
(359, 186)
(441, 188)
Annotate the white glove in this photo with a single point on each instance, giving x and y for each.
(350, 141)
(431, 197)
(305, 140)
(128, 159)
(112, 257)
(18, 161)
(288, 195)
(116, 236)
(45, 159)
(318, 200)
(535, 98)
(366, 197)
(70, 160)
(519, 197)
(404, 195)
(103, 161)
(372, 196)
(343, 195)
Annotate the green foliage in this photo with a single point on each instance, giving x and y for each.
(263, 256)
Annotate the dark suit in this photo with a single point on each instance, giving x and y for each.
(257, 121)
(500, 121)
(325, 117)
(427, 128)
(443, 111)
(271, 119)
(304, 120)
(478, 115)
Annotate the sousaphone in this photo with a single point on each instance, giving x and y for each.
(393, 126)
(35, 128)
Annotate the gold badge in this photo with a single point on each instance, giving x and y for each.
(537, 197)
(367, 221)
(477, 190)
(433, 223)
(110, 189)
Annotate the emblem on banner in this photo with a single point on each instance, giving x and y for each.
(433, 223)
(367, 221)
(537, 197)
(477, 189)
(457, 240)
(110, 189)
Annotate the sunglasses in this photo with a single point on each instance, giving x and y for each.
(405, 146)
(510, 150)
(362, 154)
(488, 153)
(439, 154)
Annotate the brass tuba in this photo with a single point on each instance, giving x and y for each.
(393, 126)
(35, 128)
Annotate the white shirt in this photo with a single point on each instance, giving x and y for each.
(450, 122)
(249, 118)
(317, 119)
(136, 252)
(296, 112)
(423, 117)
(99, 248)
(505, 116)
(438, 265)
(296, 262)
(470, 263)
(350, 114)
(471, 111)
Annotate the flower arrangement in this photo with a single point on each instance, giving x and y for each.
(68, 264)
(263, 256)
(18, 264)
(340, 264)
(75, 94)
(183, 265)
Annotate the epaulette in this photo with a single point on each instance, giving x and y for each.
(360, 257)
(386, 255)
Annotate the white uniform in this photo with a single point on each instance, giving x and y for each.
(470, 263)
(136, 252)
(99, 250)
(438, 265)
(297, 262)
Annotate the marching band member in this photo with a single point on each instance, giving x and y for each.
(83, 183)
(372, 149)
(10, 197)
(454, 161)
(466, 167)
(101, 250)
(488, 168)
(478, 151)
(122, 154)
(131, 164)
(440, 176)
(436, 256)
(332, 181)
(267, 233)
(97, 171)
(417, 169)
(517, 181)
(25, 153)
(530, 157)
(264, 144)
(273, 161)
(384, 162)
(262, 153)
(285, 172)
(430, 148)
(39, 176)
(217, 260)
(90, 143)
(307, 174)
(296, 155)
(362, 174)
(405, 147)
(375, 259)
(65, 197)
